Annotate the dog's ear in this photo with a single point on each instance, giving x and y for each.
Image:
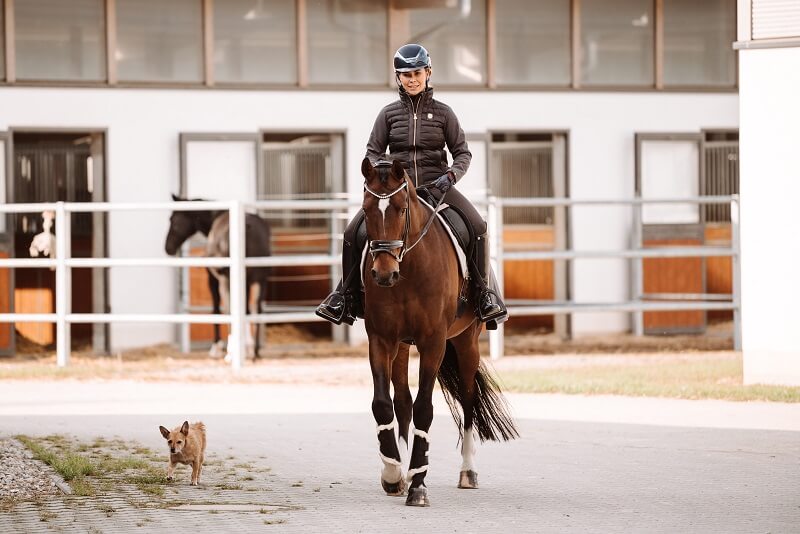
(164, 432)
(185, 428)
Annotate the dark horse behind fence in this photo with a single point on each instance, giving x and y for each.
(214, 225)
(412, 285)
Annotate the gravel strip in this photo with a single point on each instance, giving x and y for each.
(22, 477)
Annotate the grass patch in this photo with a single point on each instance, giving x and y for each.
(684, 378)
(69, 466)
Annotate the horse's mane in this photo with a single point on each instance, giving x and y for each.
(384, 173)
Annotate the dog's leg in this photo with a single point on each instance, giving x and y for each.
(200, 467)
(195, 472)
(170, 470)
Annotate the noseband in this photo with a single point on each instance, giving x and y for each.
(376, 246)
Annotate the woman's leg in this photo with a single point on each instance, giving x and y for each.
(490, 304)
(338, 307)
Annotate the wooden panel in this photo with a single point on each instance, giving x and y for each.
(719, 271)
(673, 275)
(35, 300)
(529, 279)
(5, 305)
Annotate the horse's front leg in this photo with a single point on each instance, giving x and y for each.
(431, 353)
(402, 400)
(380, 354)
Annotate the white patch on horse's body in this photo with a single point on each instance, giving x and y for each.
(217, 349)
(468, 449)
(44, 242)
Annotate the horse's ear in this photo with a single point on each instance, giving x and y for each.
(398, 170)
(366, 168)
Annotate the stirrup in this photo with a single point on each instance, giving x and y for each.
(335, 309)
(495, 311)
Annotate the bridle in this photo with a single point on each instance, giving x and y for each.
(376, 246)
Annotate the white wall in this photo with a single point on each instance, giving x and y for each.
(143, 127)
(770, 188)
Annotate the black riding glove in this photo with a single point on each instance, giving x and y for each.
(443, 183)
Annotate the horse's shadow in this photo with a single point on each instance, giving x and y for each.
(215, 226)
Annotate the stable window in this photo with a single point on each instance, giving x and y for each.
(160, 41)
(347, 42)
(455, 35)
(617, 42)
(57, 40)
(697, 42)
(255, 41)
(533, 42)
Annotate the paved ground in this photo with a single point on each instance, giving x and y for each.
(583, 464)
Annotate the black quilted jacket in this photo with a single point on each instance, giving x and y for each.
(416, 131)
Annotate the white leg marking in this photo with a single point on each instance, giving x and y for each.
(402, 444)
(217, 349)
(468, 451)
(392, 470)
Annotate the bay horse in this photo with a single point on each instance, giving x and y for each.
(420, 305)
(214, 225)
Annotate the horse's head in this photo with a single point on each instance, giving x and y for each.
(182, 226)
(387, 197)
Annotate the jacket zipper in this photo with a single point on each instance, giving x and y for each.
(414, 106)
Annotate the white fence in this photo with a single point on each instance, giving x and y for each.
(237, 319)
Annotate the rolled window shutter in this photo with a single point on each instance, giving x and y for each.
(773, 19)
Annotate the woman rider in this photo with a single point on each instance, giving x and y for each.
(416, 129)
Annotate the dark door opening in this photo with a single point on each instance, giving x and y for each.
(51, 167)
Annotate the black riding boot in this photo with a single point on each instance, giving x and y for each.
(341, 306)
(490, 305)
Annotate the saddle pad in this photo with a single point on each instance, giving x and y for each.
(462, 258)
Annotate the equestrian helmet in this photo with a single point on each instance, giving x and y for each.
(411, 57)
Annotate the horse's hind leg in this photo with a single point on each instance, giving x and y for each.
(468, 358)
(218, 347)
(261, 297)
(402, 399)
(380, 353)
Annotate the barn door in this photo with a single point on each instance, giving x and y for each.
(669, 166)
(533, 165)
(213, 167)
(6, 251)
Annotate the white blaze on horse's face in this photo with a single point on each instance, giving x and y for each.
(382, 205)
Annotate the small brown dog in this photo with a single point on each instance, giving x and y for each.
(187, 445)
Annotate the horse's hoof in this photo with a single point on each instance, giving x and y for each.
(468, 480)
(418, 497)
(394, 489)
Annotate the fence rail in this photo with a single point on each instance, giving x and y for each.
(63, 263)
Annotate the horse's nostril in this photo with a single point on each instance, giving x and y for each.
(396, 276)
(374, 274)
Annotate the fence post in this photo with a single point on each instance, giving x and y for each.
(236, 294)
(495, 236)
(737, 275)
(63, 285)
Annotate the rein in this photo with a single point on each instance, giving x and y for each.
(376, 246)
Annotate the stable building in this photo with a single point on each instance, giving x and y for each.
(133, 100)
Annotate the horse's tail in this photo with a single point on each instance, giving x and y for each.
(490, 414)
